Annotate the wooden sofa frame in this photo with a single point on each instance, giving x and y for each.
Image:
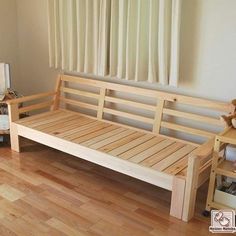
(183, 184)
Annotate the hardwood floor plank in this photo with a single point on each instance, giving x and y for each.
(57, 224)
(10, 193)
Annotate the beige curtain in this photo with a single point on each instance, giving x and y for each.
(130, 39)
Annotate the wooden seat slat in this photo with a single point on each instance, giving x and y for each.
(70, 126)
(178, 166)
(109, 147)
(152, 160)
(57, 121)
(90, 129)
(136, 150)
(104, 136)
(151, 151)
(49, 120)
(119, 150)
(58, 126)
(95, 134)
(169, 160)
(112, 139)
(79, 128)
(38, 117)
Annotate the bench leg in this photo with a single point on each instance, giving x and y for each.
(177, 197)
(191, 188)
(15, 142)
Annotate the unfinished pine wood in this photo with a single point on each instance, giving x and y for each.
(79, 104)
(185, 129)
(191, 116)
(136, 142)
(112, 139)
(13, 117)
(149, 156)
(104, 136)
(95, 134)
(128, 115)
(152, 160)
(151, 151)
(158, 116)
(138, 149)
(56, 100)
(101, 103)
(161, 165)
(177, 197)
(130, 103)
(79, 92)
(109, 147)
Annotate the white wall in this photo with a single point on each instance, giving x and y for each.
(35, 75)
(8, 37)
(208, 48)
(208, 61)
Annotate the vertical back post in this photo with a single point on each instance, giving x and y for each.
(14, 116)
(158, 116)
(56, 98)
(101, 103)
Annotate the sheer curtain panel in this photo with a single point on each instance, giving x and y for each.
(129, 39)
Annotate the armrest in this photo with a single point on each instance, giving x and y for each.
(204, 150)
(30, 98)
(15, 111)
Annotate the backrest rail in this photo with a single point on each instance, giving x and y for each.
(185, 129)
(128, 115)
(191, 116)
(204, 103)
(101, 103)
(79, 104)
(79, 92)
(159, 116)
(130, 103)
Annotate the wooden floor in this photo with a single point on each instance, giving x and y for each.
(145, 149)
(47, 192)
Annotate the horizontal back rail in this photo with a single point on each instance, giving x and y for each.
(138, 106)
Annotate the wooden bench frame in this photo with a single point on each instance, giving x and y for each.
(183, 188)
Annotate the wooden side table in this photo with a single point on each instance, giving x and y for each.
(220, 167)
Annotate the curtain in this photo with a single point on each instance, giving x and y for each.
(129, 39)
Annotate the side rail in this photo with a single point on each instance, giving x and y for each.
(198, 172)
(15, 111)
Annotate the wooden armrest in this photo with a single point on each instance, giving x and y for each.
(30, 98)
(205, 149)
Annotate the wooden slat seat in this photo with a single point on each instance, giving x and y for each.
(85, 120)
(110, 138)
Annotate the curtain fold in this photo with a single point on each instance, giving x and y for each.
(128, 39)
